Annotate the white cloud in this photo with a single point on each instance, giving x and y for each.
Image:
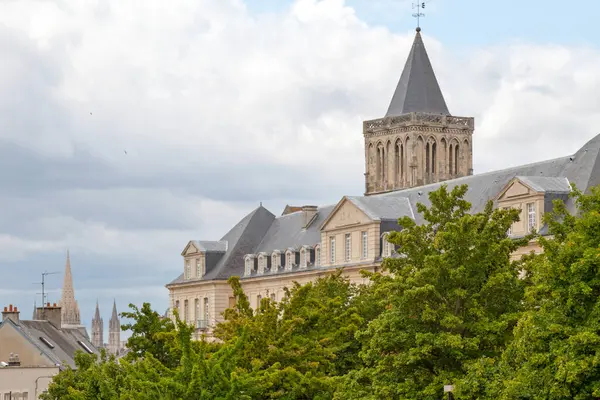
(214, 104)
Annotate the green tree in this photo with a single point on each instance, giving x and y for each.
(452, 297)
(556, 350)
(151, 333)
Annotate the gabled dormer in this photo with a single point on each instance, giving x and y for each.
(200, 256)
(291, 258)
(533, 196)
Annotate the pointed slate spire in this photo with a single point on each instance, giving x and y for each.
(114, 316)
(97, 328)
(97, 315)
(114, 331)
(417, 89)
(69, 307)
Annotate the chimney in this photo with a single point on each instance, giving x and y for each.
(50, 313)
(10, 313)
(309, 212)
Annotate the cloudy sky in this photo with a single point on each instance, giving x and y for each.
(222, 104)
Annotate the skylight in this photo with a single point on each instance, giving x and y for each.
(86, 348)
(46, 342)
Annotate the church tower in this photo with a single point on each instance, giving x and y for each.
(97, 329)
(114, 332)
(68, 304)
(418, 141)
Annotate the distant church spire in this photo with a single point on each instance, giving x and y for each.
(69, 307)
(97, 329)
(418, 142)
(114, 331)
(418, 89)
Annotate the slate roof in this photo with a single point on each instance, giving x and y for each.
(546, 184)
(261, 231)
(418, 89)
(383, 208)
(65, 341)
(287, 231)
(208, 245)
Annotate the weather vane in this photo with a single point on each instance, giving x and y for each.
(419, 6)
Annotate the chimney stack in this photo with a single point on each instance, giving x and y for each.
(50, 313)
(309, 212)
(10, 313)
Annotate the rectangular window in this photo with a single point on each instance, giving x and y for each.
(332, 250)
(531, 216)
(318, 256)
(232, 302)
(509, 231)
(186, 311)
(199, 267)
(348, 247)
(197, 309)
(365, 244)
(258, 299)
(188, 269)
(206, 314)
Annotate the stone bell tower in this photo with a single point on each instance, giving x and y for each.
(418, 141)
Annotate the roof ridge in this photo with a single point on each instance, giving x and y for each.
(467, 177)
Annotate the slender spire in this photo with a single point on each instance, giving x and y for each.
(97, 315)
(69, 307)
(114, 315)
(34, 310)
(418, 89)
(114, 331)
(97, 328)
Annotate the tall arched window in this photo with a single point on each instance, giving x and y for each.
(433, 157)
(456, 152)
(427, 157)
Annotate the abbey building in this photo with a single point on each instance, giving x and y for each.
(409, 152)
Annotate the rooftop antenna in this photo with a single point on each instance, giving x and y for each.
(43, 283)
(419, 6)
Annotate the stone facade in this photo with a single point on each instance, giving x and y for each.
(409, 153)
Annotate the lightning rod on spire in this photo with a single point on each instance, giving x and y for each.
(419, 6)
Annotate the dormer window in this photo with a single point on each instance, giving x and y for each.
(386, 246)
(200, 267)
(262, 263)
(248, 265)
(304, 257)
(531, 217)
(275, 262)
(188, 269)
(290, 259)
